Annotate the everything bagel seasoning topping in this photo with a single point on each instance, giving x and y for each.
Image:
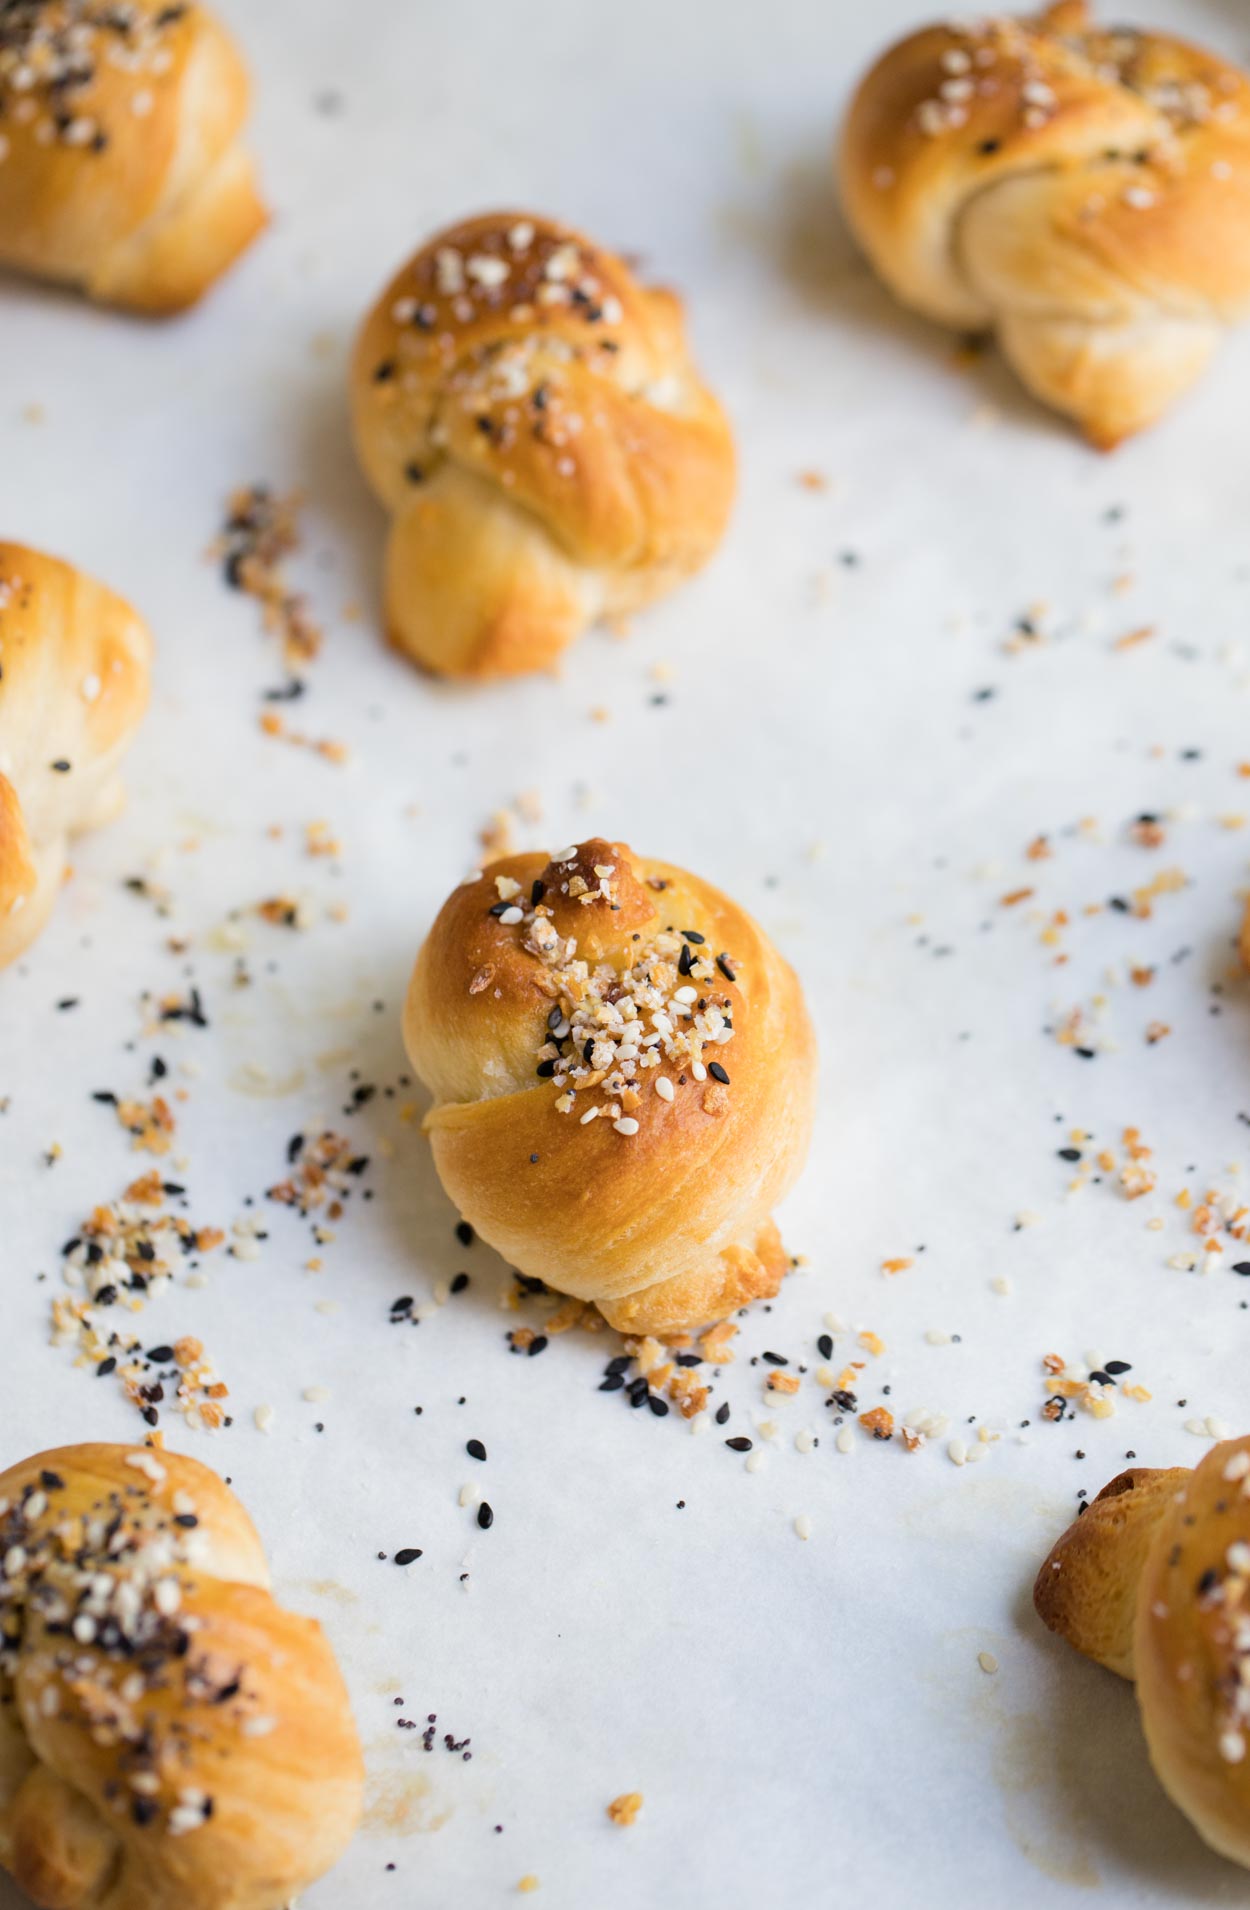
(612, 1026)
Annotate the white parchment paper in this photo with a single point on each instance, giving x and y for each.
(806, 1720)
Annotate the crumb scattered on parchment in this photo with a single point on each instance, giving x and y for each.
(261, 530)
(124, 1254)
(328, 746)
(500, 835)
(625, 1808)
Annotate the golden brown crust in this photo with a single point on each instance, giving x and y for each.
(529, 414)
(1084, 193)
(168, 1734)
(1154, 1582)
(1087, 1588)
(74, 665)
(558, 1146)
(1192, 1646)
(122, 169)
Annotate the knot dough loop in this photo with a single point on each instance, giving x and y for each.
(1154, 1582)
(529, 414)
(121, 169)
(623, 1076)
(168, 1733)
(74, 662)
(1084, 194)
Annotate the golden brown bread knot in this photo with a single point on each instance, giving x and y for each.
(168, 1734)
(74, 664)
(1154, 1582)
(121, 169)
(623, 1073)
(530, 416)
(1085, 194)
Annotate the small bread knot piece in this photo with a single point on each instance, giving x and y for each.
(1085, 194)
(623, 1073)
(74, 666)
(121, 167)
(529, 414)
(168, 1733)
(1154, 1581)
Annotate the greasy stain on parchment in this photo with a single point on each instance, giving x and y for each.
(400, 1803)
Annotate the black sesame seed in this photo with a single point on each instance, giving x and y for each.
(460, 1282)
(408, 1556)
(485, 1517)
(464, 1233)
(723, 963)
(106, 1367)
(537, 1344)
(475, 1449)
(1069, 1153)
(612, 1383)
(717, 1072)
(722, 1413)
(824, 1346)
(739, 1444)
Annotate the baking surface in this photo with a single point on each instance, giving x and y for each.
(845, 724)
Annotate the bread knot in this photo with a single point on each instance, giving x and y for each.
(623, 1074)
(168, 1733)
(529, 414)
(74, 667)
(1083, 193)
(122, 169)
(1153, 1580)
